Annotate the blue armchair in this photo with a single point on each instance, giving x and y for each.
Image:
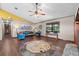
(21, 36)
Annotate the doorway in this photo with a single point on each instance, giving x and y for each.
(7, 29)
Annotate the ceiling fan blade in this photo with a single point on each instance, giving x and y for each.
(43, 14)
(30, 11)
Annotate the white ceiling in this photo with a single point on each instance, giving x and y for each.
(52, 10)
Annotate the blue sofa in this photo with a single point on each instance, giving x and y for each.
(26, 33)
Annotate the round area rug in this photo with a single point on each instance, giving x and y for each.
(38, 46)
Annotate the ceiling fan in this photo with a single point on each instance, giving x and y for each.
(38, 11)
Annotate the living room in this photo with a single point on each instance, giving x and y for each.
(41, 29)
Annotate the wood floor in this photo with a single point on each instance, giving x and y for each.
(8, 46)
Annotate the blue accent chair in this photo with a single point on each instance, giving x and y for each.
(21, 36)
(26, 33)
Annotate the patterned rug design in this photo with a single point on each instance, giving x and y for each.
(50, 52)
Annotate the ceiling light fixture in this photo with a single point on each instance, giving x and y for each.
(38, 11)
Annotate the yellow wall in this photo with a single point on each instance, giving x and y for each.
(6, 14)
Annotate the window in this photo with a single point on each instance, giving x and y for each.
(52, 27)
